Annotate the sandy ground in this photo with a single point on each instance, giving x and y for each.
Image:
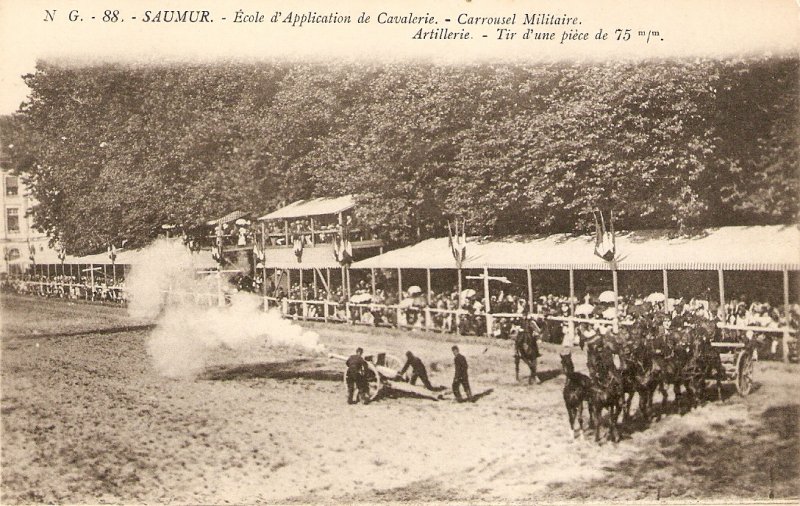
(86, 418)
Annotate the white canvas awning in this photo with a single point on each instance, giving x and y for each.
(319, 257)
(768, 248)
(200, 259)
(233, 216)
(313, 207)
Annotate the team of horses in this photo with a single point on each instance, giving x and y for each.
(639, 359)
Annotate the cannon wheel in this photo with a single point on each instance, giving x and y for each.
(373, 379)
(744, 372)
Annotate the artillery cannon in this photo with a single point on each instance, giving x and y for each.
(384, 378)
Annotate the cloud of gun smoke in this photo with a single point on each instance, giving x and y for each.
(186, 334)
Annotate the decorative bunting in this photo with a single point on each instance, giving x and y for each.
(605, 245)
(298, 248)
(342, 250)
(458, 241)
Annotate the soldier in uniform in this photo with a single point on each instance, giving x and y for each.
(417, 370)
(356, 377)
(461, 377)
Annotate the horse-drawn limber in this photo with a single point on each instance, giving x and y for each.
(383, 377)
(643, 357)
(738, 359)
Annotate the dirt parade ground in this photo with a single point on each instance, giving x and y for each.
(87, 418)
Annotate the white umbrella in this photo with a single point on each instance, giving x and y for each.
(655, 297)
(607, 296)
(406, 303)
(413, 290)
(469, 292)
(610, 313)
(584, 309)
(241, 221)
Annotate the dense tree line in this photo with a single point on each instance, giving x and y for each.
(114, 151)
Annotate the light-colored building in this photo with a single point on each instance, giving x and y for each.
(22, 245)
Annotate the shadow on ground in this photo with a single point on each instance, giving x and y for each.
(737, 459)
(672, 407)
(481, 395)
(289, 370)
(89, 332)
(545, 376)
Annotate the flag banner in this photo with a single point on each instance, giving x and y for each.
(342, 250)
(258, 253)
(298, 248)
(458, 241)
(605, 241)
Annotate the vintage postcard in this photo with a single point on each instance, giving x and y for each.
(368, 252)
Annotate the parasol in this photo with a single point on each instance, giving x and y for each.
(655, 297)
(361, 298)
(607, 296)
(469, 292)
(406, 303)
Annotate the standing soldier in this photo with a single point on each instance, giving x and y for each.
(461, 378)
(356, 377)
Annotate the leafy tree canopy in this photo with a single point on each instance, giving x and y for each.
(114, 151)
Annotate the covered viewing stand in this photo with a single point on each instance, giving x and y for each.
(316, 222)
(225, 234)
(85, 275)
(714, 251)
(300, 239)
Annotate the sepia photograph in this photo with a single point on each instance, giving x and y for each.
(467, 253)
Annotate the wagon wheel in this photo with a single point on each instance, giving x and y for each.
(373, 380)
(744, 372)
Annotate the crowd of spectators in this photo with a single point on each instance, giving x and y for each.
(244, 233)
(440, 310)
(99, 289)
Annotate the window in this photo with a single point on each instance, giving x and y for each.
(12, 219)
(12, 185)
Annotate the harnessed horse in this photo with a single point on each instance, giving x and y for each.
(607, 387)
(577, 390)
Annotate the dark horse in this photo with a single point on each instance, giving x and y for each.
(607, 387)
(525, 348)
(577, 390)
(640, 373)
(623, 346)
(669, 354)
(704, 362)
